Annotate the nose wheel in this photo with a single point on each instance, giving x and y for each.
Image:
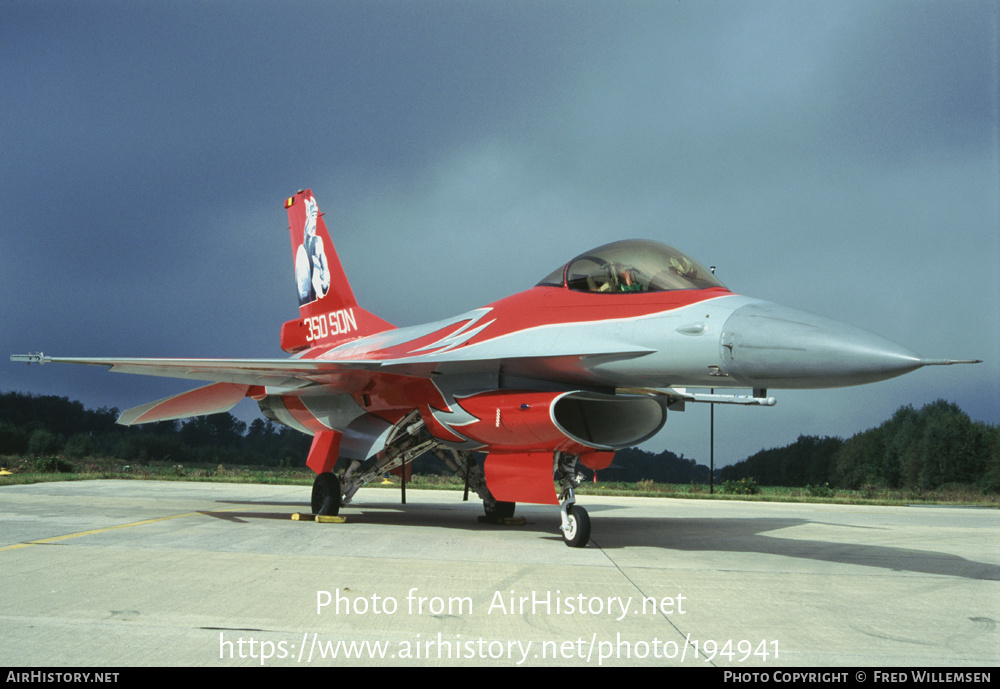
(576, 526)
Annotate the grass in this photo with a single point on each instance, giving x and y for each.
(41, 469)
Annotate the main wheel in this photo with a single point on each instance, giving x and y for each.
(501, 510)
(578, 533)
(326, 495)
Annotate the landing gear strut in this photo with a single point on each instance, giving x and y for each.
(407, 440)
(575, 525)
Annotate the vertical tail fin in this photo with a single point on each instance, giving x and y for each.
(329, 313)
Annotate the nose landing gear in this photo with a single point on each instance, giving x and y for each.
(575, 524)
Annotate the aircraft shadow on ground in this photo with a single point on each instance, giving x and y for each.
(717, 535)
(751, 536)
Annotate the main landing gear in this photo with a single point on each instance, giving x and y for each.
(407, 440)
(497, 511)
(326, 496)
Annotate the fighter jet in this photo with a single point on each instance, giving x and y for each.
(586, 362)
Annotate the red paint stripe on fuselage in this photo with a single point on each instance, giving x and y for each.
(534, 308)
(302, 414)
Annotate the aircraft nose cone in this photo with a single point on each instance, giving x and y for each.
(768, 345)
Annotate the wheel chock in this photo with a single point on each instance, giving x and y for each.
(330, 519)
(318, 518)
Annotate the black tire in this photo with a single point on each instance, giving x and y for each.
(326, 495)
(501, 510)
(578, 534)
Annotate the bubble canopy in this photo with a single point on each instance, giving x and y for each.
(632, 265)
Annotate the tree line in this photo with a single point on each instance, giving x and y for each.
(49, 425)
(923, 448)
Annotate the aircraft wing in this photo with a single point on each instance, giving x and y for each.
(297, 373)
(284, 373)
(232, 379)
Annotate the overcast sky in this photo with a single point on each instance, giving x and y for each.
(837, 157)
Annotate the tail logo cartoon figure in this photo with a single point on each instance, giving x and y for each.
(312, 273)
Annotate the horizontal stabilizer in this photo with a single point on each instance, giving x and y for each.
(210, 399)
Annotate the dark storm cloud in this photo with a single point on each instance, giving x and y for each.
(921, 81)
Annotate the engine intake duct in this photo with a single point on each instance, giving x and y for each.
(572, 422)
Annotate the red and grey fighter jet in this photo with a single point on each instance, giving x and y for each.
(586, 362)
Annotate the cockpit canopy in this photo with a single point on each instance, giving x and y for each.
(632, 265)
